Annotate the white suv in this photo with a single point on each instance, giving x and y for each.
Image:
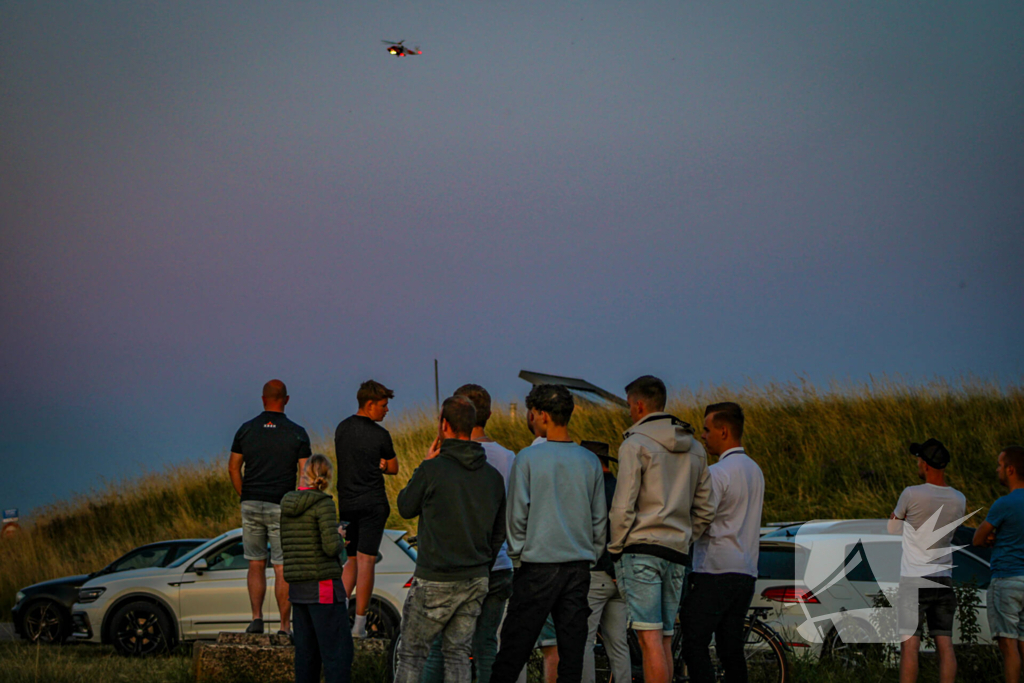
(148, 611)
(871, 558)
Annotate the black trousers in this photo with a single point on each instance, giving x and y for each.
(558, 589)
(323, 637)
(716, 604)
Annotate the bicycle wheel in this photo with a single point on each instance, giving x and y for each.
(765, 655)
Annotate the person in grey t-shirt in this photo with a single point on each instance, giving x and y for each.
(926, 583)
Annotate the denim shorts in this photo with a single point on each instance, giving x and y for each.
(652, 588)
(1006, 607)
(261, 522)
(548, 637)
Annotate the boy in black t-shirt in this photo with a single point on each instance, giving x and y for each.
(273, 450)
(365, 454)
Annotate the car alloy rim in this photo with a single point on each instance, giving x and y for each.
(43, 622)
(139, 633)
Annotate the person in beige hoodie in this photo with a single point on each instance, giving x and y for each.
(661, 504)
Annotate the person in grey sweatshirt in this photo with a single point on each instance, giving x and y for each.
(662, 503)
(557, 521)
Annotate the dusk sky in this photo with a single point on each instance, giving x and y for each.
(196, 197)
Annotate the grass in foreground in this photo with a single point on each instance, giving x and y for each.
(837, 452)
(86, 663)
(23, 663)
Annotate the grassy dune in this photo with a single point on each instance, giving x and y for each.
(834, 452)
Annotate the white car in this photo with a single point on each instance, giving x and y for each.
(148, 611)
(871, 558)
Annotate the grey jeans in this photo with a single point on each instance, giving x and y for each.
(446, 608)
(607, 610)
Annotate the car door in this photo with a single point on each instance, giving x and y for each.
(217, 599)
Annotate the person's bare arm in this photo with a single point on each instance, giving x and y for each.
(895, 525)
(235, 470)
(302, 468)
(985, 535)
(389, 466)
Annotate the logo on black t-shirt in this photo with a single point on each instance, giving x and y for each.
(270, 425)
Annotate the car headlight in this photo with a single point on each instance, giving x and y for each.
(18, 597)
(89, 594)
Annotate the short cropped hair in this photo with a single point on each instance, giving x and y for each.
(481, 401)
(275, 390)
(553, 399)
(727, 413)
(650, 390)
(372, 391)
(460, 414)
(1013, 456)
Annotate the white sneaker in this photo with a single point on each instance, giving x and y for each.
(359, 627)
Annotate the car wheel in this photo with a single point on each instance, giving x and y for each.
(45, 621)
(141, 629)
(856, 653)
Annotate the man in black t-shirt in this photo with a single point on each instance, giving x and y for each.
(365, 454)
(273, 450)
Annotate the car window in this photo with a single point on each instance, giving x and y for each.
(968, 570)
(201, 548)
(777, 562)
(179, 550)
(141, 559)
(227, 558)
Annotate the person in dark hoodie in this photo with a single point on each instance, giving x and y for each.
(314, 553)
(460, 500)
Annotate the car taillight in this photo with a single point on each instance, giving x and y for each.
(408, 584)
(789, 594)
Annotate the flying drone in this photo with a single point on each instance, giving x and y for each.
(399, 50)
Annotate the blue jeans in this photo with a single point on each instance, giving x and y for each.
(445, 609)
(652, 588)
(485, 638)
(322, 638)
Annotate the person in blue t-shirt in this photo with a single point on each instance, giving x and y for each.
(1003, 530)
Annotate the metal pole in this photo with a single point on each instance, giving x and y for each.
(437, 392)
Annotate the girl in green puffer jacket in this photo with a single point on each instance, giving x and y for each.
(314, 552)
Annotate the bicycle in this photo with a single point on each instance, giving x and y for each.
(764, 649)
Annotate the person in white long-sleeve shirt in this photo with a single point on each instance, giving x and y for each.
(725, 556)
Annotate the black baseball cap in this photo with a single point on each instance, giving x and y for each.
(600, 449)
(932, 452)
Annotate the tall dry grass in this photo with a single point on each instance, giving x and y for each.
(827, 452)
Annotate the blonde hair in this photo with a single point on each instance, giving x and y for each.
(318, 472)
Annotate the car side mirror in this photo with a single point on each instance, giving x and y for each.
(200, 566)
